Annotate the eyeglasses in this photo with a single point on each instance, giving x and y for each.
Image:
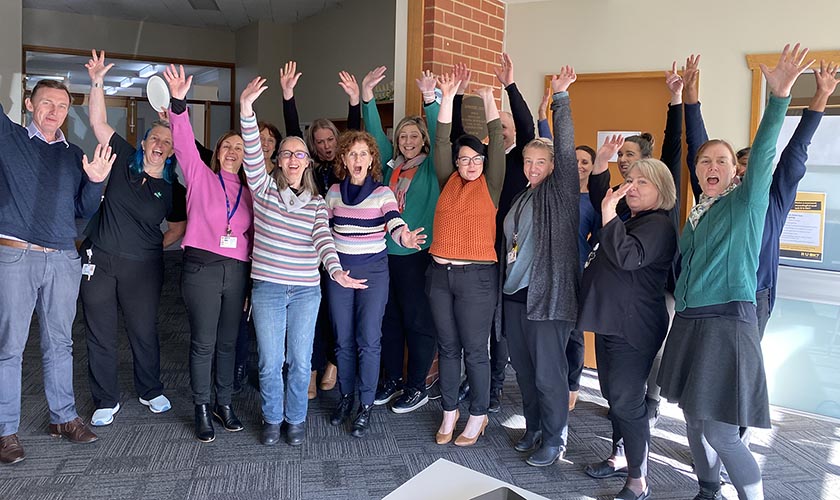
(466, 160)
(355, 156)
(300, 155)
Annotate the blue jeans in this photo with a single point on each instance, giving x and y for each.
(47, 282)
(284, 316)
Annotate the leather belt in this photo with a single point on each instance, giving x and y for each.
(23, 245)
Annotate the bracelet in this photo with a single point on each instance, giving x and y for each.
(96, 85)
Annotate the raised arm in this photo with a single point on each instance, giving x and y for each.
(565, 175)
(183, 138)
(542, 125)
(599, 181)
(522, 118)
(695, 129)
(370, 115)
(494, 166)
(443, 146)
(426, 83)
(672, 145)
(98, 115)
(350, 86)
(463, 74)
(254, 161)
(288, 80)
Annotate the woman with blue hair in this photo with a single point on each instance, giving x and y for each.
(123, 255)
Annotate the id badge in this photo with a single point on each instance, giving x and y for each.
(228, 242)
(88, 269)
(511, 256)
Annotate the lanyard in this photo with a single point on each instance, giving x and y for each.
(227, 202)
(523, 200)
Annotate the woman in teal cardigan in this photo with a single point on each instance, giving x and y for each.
(712, 365)
(408, 168)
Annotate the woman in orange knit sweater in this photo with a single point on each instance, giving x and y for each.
(462, 278)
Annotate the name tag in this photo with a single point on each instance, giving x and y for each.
(228, 242)
(88, 269)
(511, 256)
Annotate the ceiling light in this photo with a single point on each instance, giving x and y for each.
(147, 71)
(126, 82)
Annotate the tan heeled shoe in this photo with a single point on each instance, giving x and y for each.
(463, 440)
(573, 395)
(441, 438)
(313, 386)
(329, 377)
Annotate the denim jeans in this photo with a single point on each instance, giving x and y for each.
(284, 316)
(47, 282)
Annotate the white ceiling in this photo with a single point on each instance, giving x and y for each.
(231, 14)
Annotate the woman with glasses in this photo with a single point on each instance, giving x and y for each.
(291, 239)
(462, 278)
(361, 212)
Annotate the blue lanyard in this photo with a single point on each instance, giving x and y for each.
(227, 202)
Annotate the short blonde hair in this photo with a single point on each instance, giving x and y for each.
(658, 174)
(544, 144)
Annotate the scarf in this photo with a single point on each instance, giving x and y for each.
(705, 204)
(401, 177)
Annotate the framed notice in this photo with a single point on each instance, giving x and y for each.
(803, 236)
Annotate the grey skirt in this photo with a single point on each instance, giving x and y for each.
(713, 368)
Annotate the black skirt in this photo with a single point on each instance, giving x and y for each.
(713, 368)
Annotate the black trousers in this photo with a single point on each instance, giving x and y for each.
(499, 358)
(324, 346)
(538, 354)
(214, 295)
(408, 321)
(133, 286)
(622, 372)
(574, 356)
(463, 299)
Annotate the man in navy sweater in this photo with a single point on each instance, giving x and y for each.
(45, 183)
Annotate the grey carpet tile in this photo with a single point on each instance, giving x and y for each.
(149, 457)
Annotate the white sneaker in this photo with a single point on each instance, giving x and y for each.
(104, 416)
(157, 405)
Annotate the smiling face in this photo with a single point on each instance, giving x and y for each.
(628, 153)
(292, 166)
(358, 160)
(49, 109)
(410, 141)
(584, 161)
(642, 194)
(715, 168)
(231, 153)
(470, 163)
(157, 147)
(268, 143)
(326, 144)
(537, 163)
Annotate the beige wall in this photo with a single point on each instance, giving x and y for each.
(611, 35)
(10, 60)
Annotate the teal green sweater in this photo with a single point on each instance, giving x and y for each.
(421, 198)
(720, 255)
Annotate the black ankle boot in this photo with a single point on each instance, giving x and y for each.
(204, 424)
(228, 419)
(709, 494)
(362, 421)
(342, 411)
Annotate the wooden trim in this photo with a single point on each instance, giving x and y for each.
(414, 57)
(130, 57)
(627, 75)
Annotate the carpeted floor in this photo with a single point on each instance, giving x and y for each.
(146, 456)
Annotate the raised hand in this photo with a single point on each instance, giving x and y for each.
(98, 169)
(610, 201)
(96, 67)
(343, 278)
(179, 84)
(461, 72)
(563, 80)
(674, 82)
(448, 85)
(426, 84)
(412, 239)
(288, 79)
(607, 150)
(543, 111)
(691, 79)
(163, 115)
(826, 77)
(371, 80)
(504, 72)
(486, 93)
(350, 86)
(250, 94)
(791, 64)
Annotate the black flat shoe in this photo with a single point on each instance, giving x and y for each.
(342, 411)
(362, 421)
(530, 441)
(546, 456)
(270, 434)
(228, 419)
(603, 470)
(296, 434)
(707, 494)
(628, 494)
(204, 424)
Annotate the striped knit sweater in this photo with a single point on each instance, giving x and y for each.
(359, 216)
(291, 233)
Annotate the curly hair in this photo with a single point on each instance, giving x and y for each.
(346, 141)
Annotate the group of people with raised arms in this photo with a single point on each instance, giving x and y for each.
(350, 249)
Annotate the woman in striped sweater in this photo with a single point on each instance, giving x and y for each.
(361, 211)
(292, 237)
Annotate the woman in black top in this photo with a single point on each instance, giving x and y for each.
(123, 256)
(632, 261)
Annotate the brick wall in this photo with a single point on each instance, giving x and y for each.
(468, 31)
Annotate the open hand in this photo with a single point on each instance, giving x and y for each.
(96, 67)
(462, 73)
(691, 79)
(98, 169)
(250, 94)
(426, 82)
(675, 83)
(371, 80)
(607, 150)
(448, 85)
(179, 84)
(610, 202)
(504, 72)
(791, 64)
(343, 278)
(563, 80)
(288, 79)
(350, 86)
(412, 239)
(826, 77)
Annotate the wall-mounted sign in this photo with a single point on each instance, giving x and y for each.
(804, 232)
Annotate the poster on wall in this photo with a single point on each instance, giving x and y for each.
(603, 135)
(803, 236)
